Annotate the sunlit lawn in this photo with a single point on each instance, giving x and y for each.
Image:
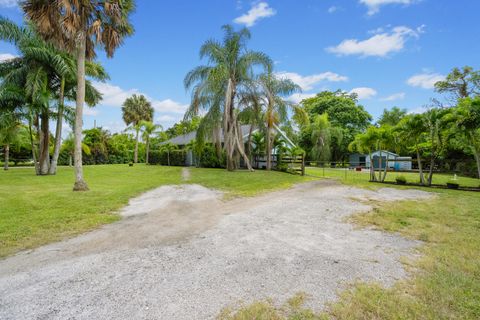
(37, 210)
(359, 177)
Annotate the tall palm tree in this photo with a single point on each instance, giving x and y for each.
(78, 26)
(411, 132)
(218, 86)
(135, 110)
(274, 90)
(45, 73)
(149, 128)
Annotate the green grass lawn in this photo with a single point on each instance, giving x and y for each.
(37, 210)
(444, 282)
(356, 177)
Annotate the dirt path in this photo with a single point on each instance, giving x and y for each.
(182, 253)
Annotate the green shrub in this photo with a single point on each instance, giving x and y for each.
(401, 180)
(208, 158)
(175, 157)
(452, 185)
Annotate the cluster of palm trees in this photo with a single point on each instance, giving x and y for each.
(58, 46)
(236, 87)
(138, 116)
(429, 135)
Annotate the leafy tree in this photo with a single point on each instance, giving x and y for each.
(344, 112)
(321, 138)
(436, 122)
(218, 86)
(411, 134)
(460, 83)
(183, 127)
(149, 129)
(135, 110)
(78, 26)
(467, 125)
(392, 117)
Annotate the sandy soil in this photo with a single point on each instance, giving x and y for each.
(183, 253)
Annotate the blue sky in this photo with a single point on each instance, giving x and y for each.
(388, 51)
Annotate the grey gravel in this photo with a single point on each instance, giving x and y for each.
(181, 252)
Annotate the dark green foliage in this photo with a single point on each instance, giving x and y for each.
(208, 158)
(346, 116)
(401, 180)
(175, 157)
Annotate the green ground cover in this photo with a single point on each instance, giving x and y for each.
(38, 210)
(361, 177)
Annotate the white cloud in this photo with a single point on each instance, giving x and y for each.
(364, 92)
(374, 5)
(298, 97)
(90, 112)
(6, 56)
(114, 96)
(8, 3)
(170, 106)
(332, 9)
(259, 11)
(308, 82)
(395, 96)
(425, 80)
(380, 44)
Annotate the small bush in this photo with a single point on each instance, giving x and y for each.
(452, 185)
(401, 180)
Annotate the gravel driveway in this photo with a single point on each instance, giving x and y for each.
(183, 253)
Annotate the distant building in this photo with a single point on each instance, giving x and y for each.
(183, 140)
(389, 159)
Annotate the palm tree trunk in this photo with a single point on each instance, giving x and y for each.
(373, 177)
(239, 143)
(430, 171)
(420, 168)
(32, 144)
(135, 153)
(58, 130)
(6, 151)
(476, 154)
(228, 125)
(44, 144)
(147, 148)
(269, 147)
(80, 184)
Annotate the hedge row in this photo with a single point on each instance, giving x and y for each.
(164, 158)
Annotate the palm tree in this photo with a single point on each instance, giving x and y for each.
(367, 143)
(321, 138)
(276, 107)
(149, 129)
(168, 148)
(9, 126)
(219, 86)
(45, 73)
(78, 26)
(411, 132)
(135, 110)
